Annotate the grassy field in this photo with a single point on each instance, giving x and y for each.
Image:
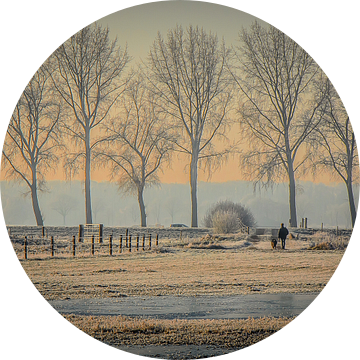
(232, 334)
(217, 267)
(204, 265)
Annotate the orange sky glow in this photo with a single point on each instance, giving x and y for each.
(136, 28)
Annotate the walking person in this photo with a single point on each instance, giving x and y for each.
(283, 233)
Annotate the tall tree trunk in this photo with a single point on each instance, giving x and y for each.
(35, 202)
(292, 187)
(193, 187)
(88, 177)
(142, 206)
(292, 196)
(351, 202)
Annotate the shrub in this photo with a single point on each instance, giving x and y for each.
(225, 222)
(227, 217)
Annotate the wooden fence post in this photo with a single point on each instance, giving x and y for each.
(43, 231)
(52, 246)
(157, 240)
(137, 242)
(81, 232)
(101, 231)
(120, 245)
(25, 248)
(149, 241)
(74, 245)
(110, 244)
(143, 242)
(305, 223)
(92, 245)
(126, 238)
(129, 243)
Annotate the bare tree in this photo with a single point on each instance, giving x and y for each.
(89, 79)
(172, 207)
(64, 205)
(275, 77)
(188, 70)
(336, 138)
(139, 141)
(32, 138)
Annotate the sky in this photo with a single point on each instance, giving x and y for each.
(139, 25)
(136, 28)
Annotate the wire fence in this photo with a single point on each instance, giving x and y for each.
(31, 242)
(34, 246)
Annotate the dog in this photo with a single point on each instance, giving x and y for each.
(273, 243)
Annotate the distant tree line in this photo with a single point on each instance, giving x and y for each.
(86, 107)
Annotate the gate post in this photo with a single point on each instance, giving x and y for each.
(81, 232)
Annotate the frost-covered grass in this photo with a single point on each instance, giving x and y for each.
(328, 241)
(189, 265)
(193, 271)
(121, 330)
(183, 265)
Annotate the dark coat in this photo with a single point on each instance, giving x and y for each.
(283, 233)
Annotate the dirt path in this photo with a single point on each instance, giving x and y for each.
(190, 307)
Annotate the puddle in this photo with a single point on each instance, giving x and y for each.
(191, 307)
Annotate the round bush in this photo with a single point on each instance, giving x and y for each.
(227, 217)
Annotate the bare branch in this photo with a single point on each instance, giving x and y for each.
(33, 137)
(139, 140)
(275, 77)
(89, 78)
(187, 71)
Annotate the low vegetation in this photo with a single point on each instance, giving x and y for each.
(328, 241)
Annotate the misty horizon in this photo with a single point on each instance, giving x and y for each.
(169, 203)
